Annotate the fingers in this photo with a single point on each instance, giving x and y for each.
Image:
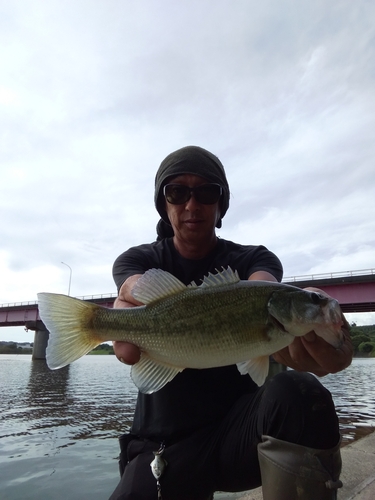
(327, 357)
(126, 353)
(306, 354)
(312, 354)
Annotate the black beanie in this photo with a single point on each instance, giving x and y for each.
(190, 160)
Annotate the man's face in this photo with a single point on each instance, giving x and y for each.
(192, 221)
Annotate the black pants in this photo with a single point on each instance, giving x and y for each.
(291, 406)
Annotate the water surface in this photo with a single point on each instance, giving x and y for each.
(59, 429)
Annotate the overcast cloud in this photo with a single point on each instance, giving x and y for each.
(94, 94)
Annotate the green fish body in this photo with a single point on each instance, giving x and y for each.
(221, 322)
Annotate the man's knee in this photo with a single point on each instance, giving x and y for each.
(298, 408)
(292, 386)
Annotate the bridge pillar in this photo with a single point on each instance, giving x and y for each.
(40, 338)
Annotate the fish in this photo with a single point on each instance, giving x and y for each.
(222, 321)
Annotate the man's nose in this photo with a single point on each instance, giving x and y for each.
(192, 203)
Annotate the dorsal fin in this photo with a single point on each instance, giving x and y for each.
(224, 277)
(156, 284)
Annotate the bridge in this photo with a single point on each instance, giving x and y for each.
(354, 290)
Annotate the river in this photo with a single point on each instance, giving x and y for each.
(59, 429)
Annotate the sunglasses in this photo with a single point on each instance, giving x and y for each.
(207, 194)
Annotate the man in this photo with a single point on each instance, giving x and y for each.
(218, 431)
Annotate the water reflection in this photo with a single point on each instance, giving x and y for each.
(81, 399)
(47, 399)
(353, 393)
(62, 424)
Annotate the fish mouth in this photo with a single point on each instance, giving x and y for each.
(278, 325)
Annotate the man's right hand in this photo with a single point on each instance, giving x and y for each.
(125, 352)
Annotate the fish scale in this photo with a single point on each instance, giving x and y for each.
(161, 329)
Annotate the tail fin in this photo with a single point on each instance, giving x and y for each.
(68, 321)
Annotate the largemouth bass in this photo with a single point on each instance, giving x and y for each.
(222, 321)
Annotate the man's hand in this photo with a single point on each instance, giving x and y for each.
(125, 352)
(311, 353)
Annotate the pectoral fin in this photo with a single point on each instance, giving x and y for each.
(257, 368)
(150, 376)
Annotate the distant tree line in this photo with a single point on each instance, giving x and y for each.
(363, 339)
(13, 348)
(103, 349)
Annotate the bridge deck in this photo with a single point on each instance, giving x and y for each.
(355, 291)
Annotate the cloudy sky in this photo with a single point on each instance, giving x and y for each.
(94, 94)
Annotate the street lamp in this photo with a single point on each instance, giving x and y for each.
(70, 277)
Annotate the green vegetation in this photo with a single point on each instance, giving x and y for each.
(363, 338)
(102, 349)
(13, 348)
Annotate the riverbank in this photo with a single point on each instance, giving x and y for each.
(358, 473)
